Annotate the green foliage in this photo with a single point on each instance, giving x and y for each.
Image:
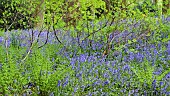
(11, 77)
(39, 68)
(18, 14)
(44, 68)
(144, 72)
(74, 14)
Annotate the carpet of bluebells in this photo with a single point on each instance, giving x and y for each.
(78, 68)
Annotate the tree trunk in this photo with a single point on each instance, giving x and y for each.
(39, 14)
(166, 6)
(159, 4)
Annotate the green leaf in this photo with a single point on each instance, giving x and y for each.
(160, 77)
(129, 42)
(134, 40)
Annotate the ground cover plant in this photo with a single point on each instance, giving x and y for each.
(121, 49)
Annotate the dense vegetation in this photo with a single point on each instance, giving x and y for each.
(84, 47)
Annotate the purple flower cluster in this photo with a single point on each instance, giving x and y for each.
(95, 74)
(93, 71)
